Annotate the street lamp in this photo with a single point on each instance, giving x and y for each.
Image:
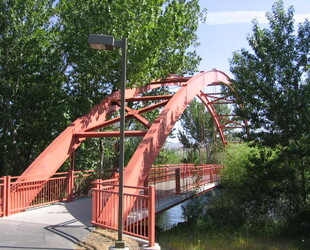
(105, 42)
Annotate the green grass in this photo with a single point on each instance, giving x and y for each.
(191, 237)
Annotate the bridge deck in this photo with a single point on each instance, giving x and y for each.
(173, 200)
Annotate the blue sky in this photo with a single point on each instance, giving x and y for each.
(229, 23)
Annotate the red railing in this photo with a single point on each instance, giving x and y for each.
(138, 222)
(16, 194)
(3, 198)
(175, 179)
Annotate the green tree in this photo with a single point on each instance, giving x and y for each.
(272, 84)
(272, 80)
(159, 33)
(199, 133)
(49, 76)
(32, 101)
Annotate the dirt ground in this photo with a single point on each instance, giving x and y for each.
(102, 239)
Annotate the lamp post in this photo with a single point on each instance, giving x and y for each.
(105, 42)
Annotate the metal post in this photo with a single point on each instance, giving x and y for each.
(7, 196)
(146, 184)
(120, 243)
(151, 217)
(96, 200)
(70, 185)
(107, 42)
(177, 181)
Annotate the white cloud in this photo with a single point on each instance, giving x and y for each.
(301, 17)
(238, 17)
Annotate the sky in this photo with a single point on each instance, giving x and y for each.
(229, 23)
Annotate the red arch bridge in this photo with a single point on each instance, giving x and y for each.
(41, 183)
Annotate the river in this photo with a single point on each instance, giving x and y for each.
(174, 215)
(170, 217)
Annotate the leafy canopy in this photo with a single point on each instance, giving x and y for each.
(49, 76)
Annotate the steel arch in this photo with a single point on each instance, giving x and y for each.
(142, 160)
(154, 135)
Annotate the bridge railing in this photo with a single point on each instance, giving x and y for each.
(178, 178)
(138, 217)
(138, 222)
(17, 195)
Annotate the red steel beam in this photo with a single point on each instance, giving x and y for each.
(142, 160)
(109, 134)
(138, 117)
(148, 98)
(212, 111)
(47, 163)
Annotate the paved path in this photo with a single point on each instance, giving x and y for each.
(57, 226)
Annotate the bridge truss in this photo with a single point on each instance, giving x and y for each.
(154, 133)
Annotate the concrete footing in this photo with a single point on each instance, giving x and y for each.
(117, 248)
(119, 245)
(146, 247)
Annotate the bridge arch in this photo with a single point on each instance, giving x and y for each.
(154, 135)
(143, 158)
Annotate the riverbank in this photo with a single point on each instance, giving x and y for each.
(190, 236)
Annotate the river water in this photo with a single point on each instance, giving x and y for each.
(174, 215)
(170, 217)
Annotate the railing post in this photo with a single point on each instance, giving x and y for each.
(177, 181)
(146, 184)
(7, 196)
(96, 199)
(211, 175)
(151, 217)
(70, 186)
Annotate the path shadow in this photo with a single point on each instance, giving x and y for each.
(77, 228)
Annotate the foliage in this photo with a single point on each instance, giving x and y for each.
(273, 87)
(199, 133)
(32, 100)
(272, 80)
(167, 156)
(193, 209)
(194, 236)
(49, 76)
(158, 32)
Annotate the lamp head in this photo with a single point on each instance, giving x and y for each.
(103, 42)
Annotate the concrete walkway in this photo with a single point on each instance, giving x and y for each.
(57, 226)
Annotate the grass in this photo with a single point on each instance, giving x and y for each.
(191, 237)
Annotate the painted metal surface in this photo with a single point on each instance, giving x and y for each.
(142, 160)
(65, 186)
(155, 133)
(67, 142)
(49, 161)
(140, 221)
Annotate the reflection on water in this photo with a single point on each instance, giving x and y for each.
(170, 217)
(174, 215)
